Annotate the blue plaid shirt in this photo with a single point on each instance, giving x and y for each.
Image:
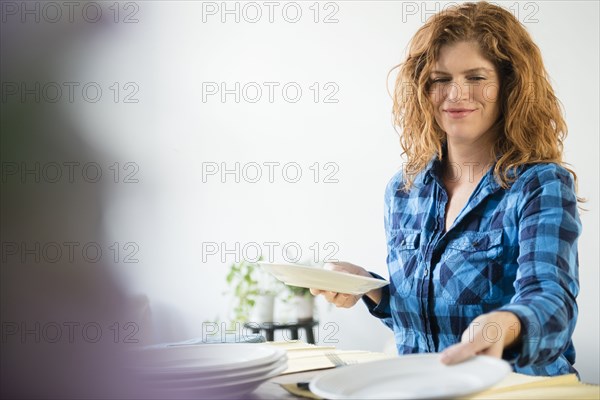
(509, 249)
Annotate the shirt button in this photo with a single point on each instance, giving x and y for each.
(426, 271)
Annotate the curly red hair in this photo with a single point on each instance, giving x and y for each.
(531, 125)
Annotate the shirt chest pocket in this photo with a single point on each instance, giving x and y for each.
(403, 250)
(471, 268)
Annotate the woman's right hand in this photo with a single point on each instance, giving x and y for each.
(346, 300)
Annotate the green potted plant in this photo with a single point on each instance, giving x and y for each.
(253, 292)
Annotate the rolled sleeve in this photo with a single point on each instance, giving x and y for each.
(546, 284)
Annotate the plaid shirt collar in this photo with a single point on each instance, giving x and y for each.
(433, 172)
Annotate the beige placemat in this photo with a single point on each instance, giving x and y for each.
(519, 386)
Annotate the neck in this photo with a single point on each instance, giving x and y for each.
(466, 163)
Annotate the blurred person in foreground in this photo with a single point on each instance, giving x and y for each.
(67, 324)
(482, 222)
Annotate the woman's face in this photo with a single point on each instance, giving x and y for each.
(464, 93)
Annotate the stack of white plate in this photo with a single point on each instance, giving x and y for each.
(228, 370)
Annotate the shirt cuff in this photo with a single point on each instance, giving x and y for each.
(522, 353)
(381, 310)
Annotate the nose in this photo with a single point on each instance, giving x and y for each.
(455, 92)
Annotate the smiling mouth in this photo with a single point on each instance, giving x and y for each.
(458, 113)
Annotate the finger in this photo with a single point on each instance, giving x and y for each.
(341, 299)
(330, 296)
(471, 345)
(458, 353)
(492, 351)
(316, 292)
(350, 301)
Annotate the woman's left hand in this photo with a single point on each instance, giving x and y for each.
(489, 334)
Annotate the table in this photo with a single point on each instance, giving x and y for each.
(270, 327)
(306, 358)
(271, 389)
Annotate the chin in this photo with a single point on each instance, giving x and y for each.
(459, 136)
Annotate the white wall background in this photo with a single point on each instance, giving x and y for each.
(171, 132)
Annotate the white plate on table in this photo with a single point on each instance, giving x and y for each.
(235, 388)
(254, 381)
(206, 359)
(319, 278)
(414, 376)
(227, 377)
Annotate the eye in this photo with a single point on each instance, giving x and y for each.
(476, 78)
(439, 80)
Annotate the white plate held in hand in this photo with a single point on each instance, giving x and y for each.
(318, 278)
(414, 376)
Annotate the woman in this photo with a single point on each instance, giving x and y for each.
(482, 233)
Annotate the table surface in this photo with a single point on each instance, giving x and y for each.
(515, 386)
(271, 389)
